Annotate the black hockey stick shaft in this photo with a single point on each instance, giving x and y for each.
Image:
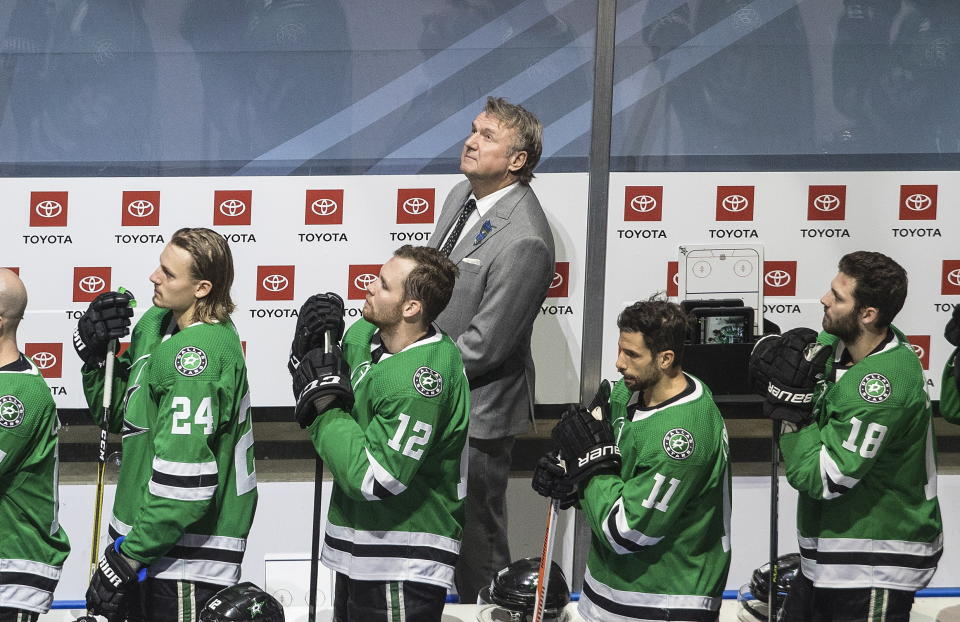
(317, 515)
(774, 520)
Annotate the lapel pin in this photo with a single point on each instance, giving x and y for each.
(485, 228)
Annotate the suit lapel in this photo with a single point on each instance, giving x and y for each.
(499, 218)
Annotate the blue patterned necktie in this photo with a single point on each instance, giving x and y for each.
(465, 212)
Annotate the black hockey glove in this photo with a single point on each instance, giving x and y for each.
(111, 582)
(586, 445)
(797, 363)
(107, 317)
(319, 314)
(320, 382)
(550, 480)
(761, 360)
(952, 330)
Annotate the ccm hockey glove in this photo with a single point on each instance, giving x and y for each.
(320, 382)
(797, 362)
(319, 314)
(112, 581)
(586, 444)
(107, 317)
(550, 480)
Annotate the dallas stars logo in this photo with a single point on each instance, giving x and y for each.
(11, 411)
(875, 388)
(427, 382)
(190, 361)
(679, 444)
(255, 609)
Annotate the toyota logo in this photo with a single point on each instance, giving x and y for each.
(323, 207)
(233, 207)
(362, 281)
(917, 202)
(643, 203)
(275, 283)
(953, 277)
(141, 208)
(416, 205)
(44, 360)
(826, 203)
(918, 350)
(735, 203)
(777, 278)
(676, 278)
(92, 284)
(48, 209)
(557, 280)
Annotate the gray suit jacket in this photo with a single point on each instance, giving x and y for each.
(503, 281)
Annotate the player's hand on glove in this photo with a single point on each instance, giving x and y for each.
(320, 382)
(111, 582)
(587, 444)
(107, 317)
(790, 365)
(319, 314)
(550, 480)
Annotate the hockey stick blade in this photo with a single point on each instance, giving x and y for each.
(546, 560)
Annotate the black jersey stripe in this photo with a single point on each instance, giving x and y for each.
(902, 560)
(184, 481)
(648, 613)
(179, 551)
(834, 487)
(380, 492)
(629, 545)
(397, 551)
(28, 579)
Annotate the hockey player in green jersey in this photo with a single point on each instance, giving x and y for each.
(648, 465)
(33, 545)
(857, 442)
(950, 382)
(389, 417)
(186, 492)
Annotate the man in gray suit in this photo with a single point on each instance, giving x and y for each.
(494, 230)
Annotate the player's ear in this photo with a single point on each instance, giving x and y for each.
(202, 289)
(411, 309)
(665, 359)
(869, 315)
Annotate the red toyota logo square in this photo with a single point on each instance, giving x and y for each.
(560, 284)
(643, 203)
(779, 278)
(275, 282)
(950, 279)
(48, 357)
(324, 207)
(735, 203)
(415, 205)
(88, 283)
(358, 277)
(48, 209)
(141, 208)
(14, 269)
(232, 207)
(826, 203)
(673, 279)
(918, 202)
(921, 346)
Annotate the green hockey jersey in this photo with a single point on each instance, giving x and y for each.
(949, 392)
(398, 461)
(868, 515)
(661, 529)
(33, 546)
(187, 488)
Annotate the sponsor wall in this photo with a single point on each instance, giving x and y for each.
(71, 239)
(806, 222)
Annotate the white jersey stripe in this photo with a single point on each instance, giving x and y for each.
(618, 531)
(25, 597)
(181, 469)
(182, 494)
(376, 474)
(220, 573)
(831, 476)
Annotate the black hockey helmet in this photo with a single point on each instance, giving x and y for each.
(244, 602)
(513, 592)
(755, 597)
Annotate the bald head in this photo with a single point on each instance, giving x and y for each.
(13, 299)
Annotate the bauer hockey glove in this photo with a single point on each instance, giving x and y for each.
(550, 480)
(112, 581)
(319, 314)
(107, 317)
(320, 382)
(587, 444)
(797, 363)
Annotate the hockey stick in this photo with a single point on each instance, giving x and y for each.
(546, 560)
(102, 457)
(774, 520)
(317, 514)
